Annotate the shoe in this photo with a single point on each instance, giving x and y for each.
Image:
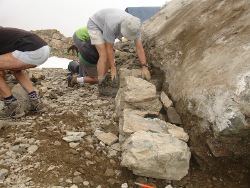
(12, 110)
(37, 106)
(71, 79)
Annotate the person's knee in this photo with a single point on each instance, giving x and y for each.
(73, 67)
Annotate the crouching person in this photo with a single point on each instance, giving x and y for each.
(20, 50)
(88, 56)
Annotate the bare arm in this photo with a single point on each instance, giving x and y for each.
(142, 58)
(140, 51)
(111, 60)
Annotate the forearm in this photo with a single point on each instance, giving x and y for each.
(110, 55)
(140, 52)
(142, 58)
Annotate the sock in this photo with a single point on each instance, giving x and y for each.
(33, 95)
(80, 80)
(9, 99)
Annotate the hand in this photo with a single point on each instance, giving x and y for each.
(145, 74)
(113, 74)
(100, 79)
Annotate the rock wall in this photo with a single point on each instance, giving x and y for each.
(151, 146)
(203, 47)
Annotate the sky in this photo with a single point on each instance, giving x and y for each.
(64, 15)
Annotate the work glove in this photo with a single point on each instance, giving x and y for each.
(113, 74)
(145, 74)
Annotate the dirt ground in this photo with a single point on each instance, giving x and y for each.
(66, 162)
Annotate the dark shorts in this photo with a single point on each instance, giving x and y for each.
(82, 69)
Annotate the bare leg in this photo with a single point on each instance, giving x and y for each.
(87, 79)
(4, 89)
(102, 61)
(24, 80)
(9, 62)
(14, 109)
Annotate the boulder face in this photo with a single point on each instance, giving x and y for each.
(203, 47)
(157, 155)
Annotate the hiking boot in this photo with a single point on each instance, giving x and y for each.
(71, 79)
(12, 110)
(37, 106)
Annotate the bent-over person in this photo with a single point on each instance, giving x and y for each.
(20, 50)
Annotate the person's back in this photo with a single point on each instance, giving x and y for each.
(89, 53)
(82, 33)
(17, 39)
(88, 57)
(109, 22)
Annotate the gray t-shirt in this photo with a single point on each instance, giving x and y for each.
(109, 22)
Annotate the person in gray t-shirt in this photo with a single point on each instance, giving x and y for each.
(104, 27)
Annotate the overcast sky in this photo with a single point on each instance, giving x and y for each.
(64, 15)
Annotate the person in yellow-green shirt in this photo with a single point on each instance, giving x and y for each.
(88, 57)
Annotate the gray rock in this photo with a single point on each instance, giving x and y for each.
(3, 173)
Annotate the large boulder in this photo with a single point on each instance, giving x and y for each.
(204, 49)
(157, 155)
